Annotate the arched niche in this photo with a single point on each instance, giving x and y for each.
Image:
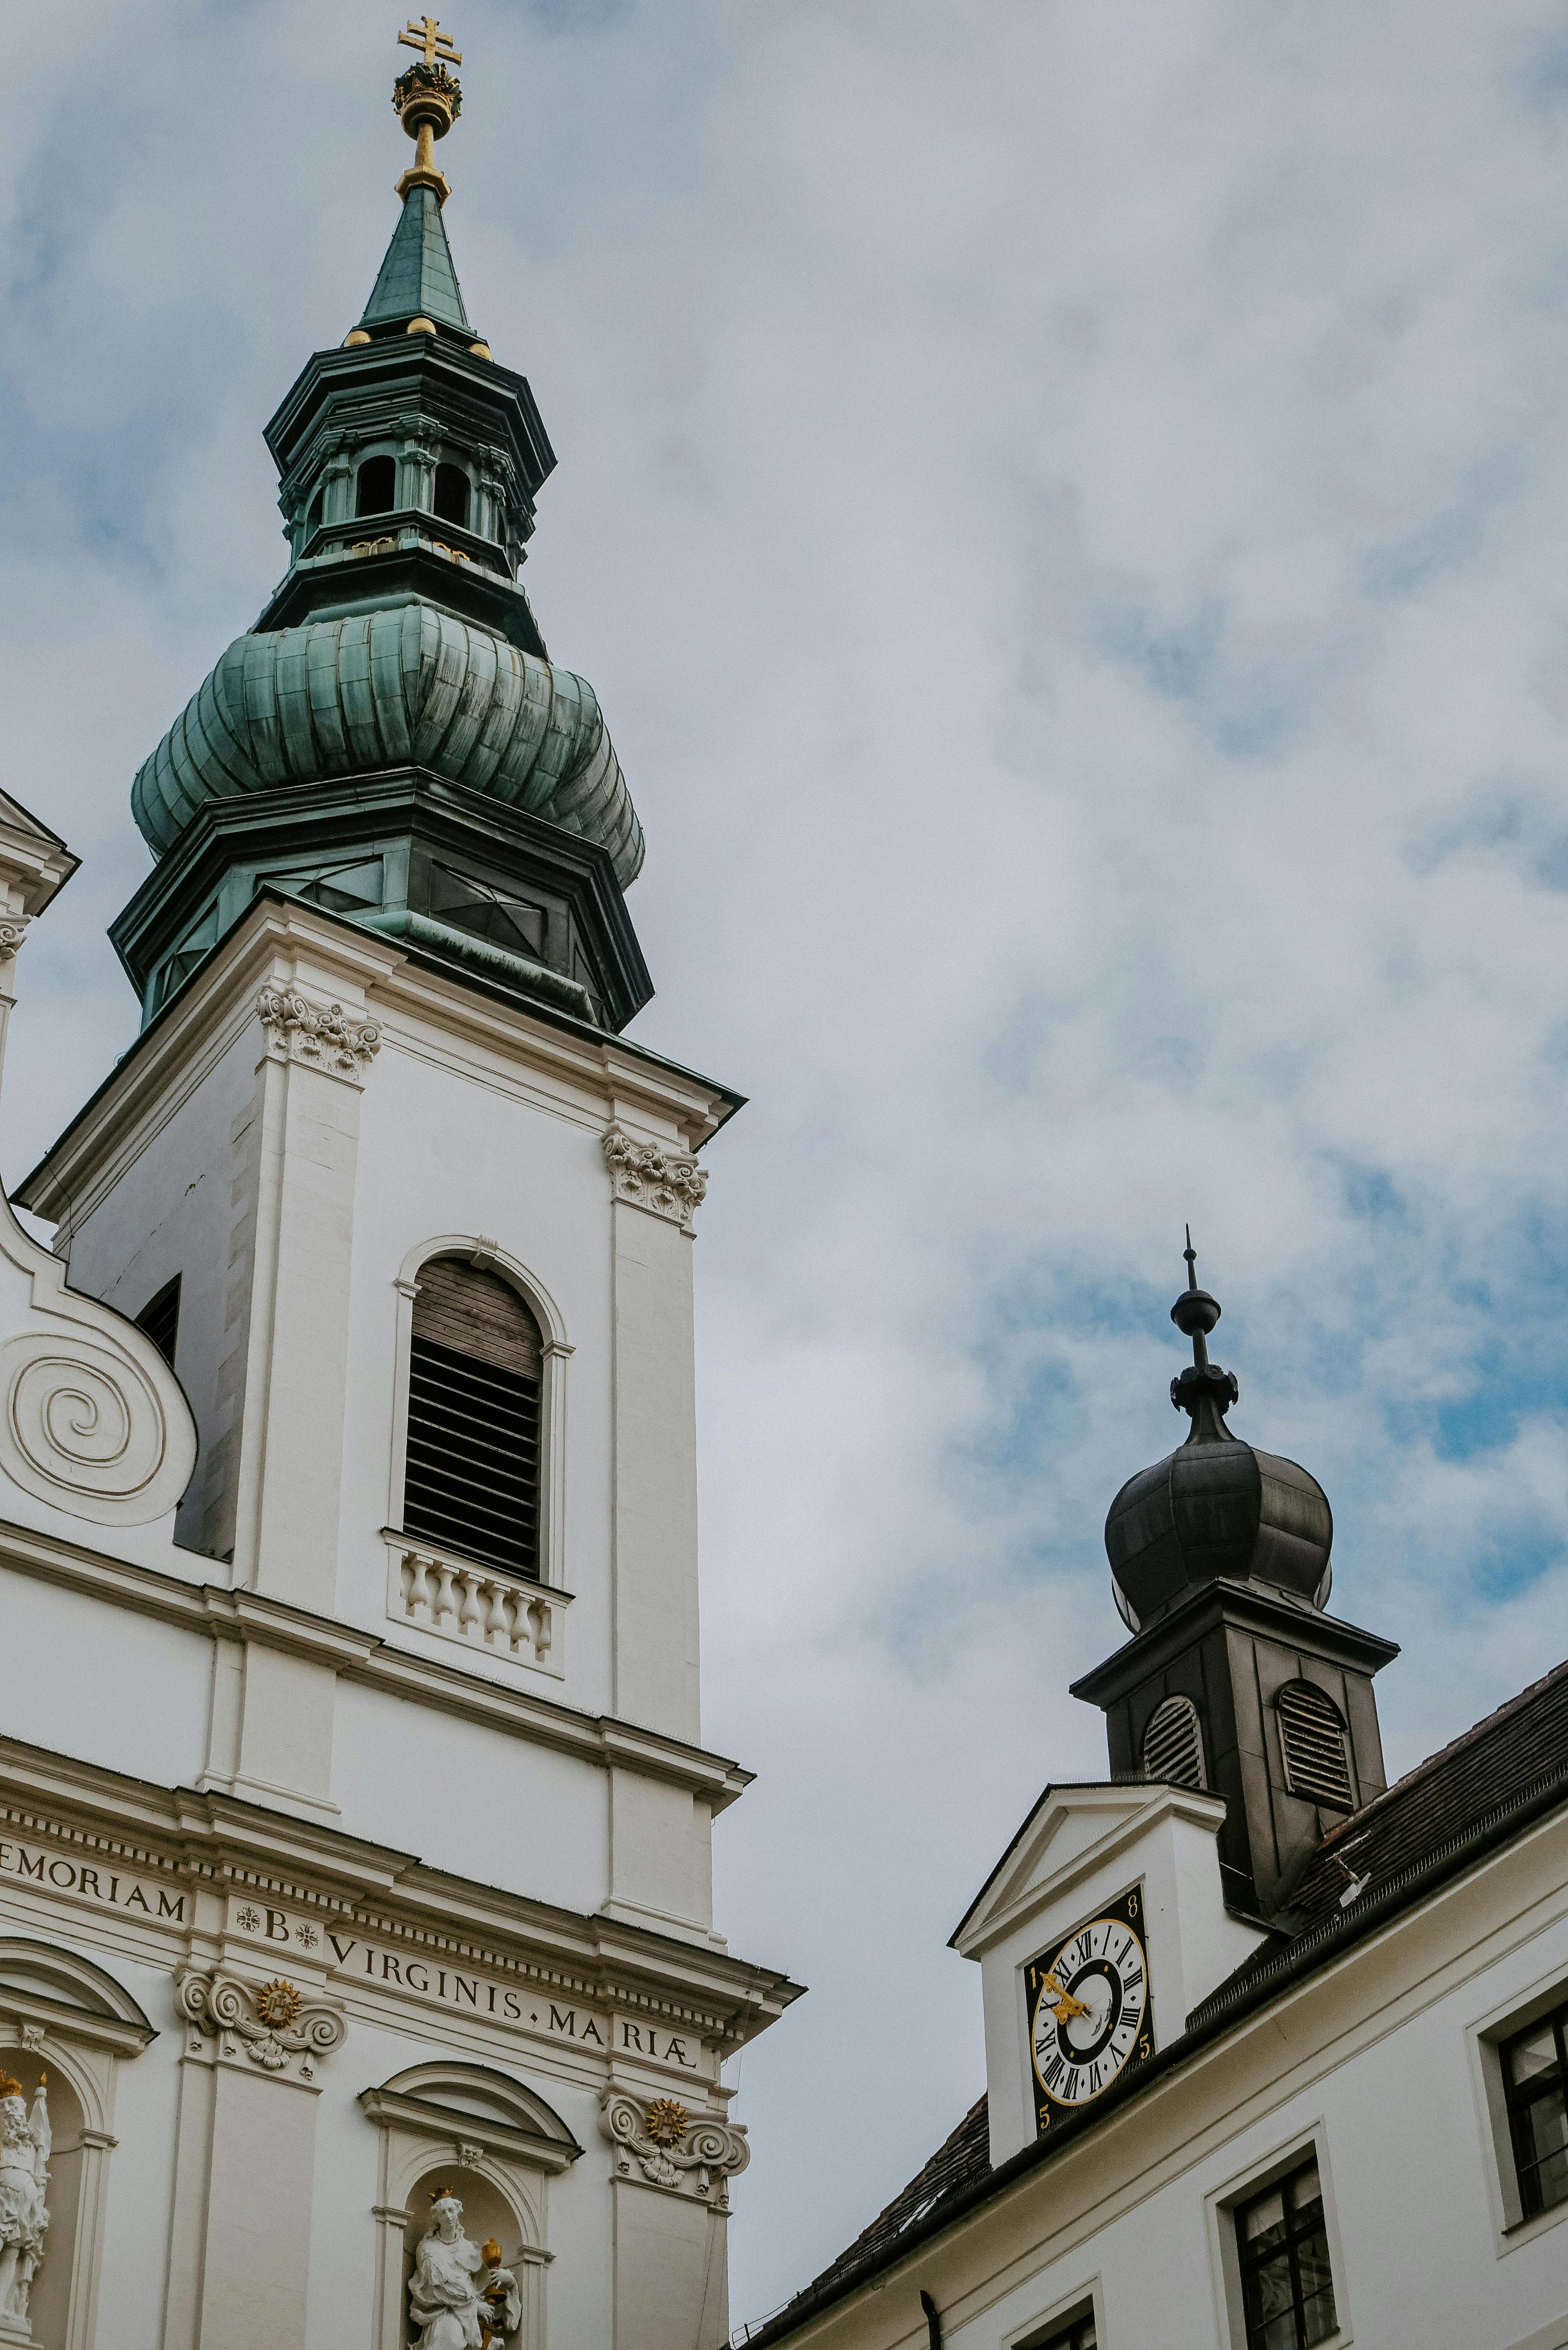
(469, 2131)
(64, 2018)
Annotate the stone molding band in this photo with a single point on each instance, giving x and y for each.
(668, 1184)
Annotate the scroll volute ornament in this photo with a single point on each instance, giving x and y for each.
(663, 2143)
(270, 2025)
(92, 1419)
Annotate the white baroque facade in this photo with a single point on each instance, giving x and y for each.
(339, 1870)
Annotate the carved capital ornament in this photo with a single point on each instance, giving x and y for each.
(666, 2144)
(668, 1184)
(270, 2025)
(325, 1039)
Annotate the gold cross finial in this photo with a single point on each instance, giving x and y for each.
(435, 47)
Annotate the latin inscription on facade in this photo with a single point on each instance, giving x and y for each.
(465, 1989)
(109, 1885)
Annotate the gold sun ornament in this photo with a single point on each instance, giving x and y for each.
(277, 2004)
(666, 2122)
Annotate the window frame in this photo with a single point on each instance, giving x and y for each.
(1310, 2144)
(1487, 2036)
(1053, 2328)
(555, 1350)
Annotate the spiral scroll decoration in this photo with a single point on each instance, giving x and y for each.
(88, 1431)
(269, 2024)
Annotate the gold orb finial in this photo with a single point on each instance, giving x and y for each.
(355, 335)
(419, 327)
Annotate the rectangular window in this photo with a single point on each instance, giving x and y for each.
(1535, 2088)
(1281, 2247)
(1078, 2333)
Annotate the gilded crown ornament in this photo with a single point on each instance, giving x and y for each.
(429, 100)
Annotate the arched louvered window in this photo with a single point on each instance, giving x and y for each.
(472, 1484)
(376, 486)
(1173, 1744)
(452, 495)
(1318, 1765)
(318, 507)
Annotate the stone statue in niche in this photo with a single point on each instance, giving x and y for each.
(25, 2142)
(460, 2296)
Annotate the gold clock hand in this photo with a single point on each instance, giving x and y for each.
(1064, 2005)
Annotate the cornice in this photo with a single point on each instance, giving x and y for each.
(185, 1837)
(222, 1612)
(1255, 1605)
(184, 1041)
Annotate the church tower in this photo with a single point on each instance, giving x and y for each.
(355, 1896)
(1236, 1678)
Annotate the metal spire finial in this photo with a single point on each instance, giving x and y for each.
(1206, 1389)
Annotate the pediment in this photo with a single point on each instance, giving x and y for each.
(1069, 1831)
(45, 1983)
(473, 2103)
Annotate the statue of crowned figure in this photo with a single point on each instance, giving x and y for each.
(460, 2296)
(25, 2142)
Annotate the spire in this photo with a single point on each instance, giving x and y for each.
(417, 278)
(1203, 1391)
(417, 283)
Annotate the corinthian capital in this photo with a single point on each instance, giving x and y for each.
(322, 1038)
(668, 1184)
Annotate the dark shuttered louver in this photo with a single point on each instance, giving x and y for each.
(1173, 1744)
(159, 1317)
(473, 1479)
(1313, 1737)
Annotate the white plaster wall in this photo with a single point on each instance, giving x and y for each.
(103, 1684)
(1416, 2262)
(442, 1151)
(499, 1810)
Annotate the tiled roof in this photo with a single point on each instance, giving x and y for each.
(1440, 1797)
(957, 2162)
(1451, 1793)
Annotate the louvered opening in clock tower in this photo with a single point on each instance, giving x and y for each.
(475, 1363)
(1173, 1744)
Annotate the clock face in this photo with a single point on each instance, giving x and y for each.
(1089, 2012)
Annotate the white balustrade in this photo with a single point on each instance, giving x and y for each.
(499, 1614)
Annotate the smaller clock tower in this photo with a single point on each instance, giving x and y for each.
(1241, 1726)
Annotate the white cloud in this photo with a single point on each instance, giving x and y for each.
(1065, 511)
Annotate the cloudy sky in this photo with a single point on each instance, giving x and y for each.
(1064, 509)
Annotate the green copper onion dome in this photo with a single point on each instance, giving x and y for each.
(1216, 1509)
(412, 686)
(391, 742)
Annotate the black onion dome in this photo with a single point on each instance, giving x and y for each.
(1215, 1510)
(1216, 1507)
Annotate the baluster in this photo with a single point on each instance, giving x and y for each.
(417, 1586)
(445, 1604)
(471, 1615)
(496, 1630)
(541, 1621)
